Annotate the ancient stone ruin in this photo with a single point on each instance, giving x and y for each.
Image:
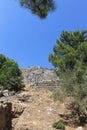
(39, 77)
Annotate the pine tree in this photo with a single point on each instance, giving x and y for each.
(40, 8)
(70, 61)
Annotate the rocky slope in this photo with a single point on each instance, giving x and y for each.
(38, 111)
(34, 108)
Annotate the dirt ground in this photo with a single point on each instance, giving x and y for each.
(41, 111)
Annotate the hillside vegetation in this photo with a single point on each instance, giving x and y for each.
(10, 74)
(70, 61)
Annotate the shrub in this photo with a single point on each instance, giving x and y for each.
(59, 125)
(58, 95)
(10, 74)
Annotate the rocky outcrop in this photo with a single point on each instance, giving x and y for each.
(5, 114)
(33, 109)
(39, 77)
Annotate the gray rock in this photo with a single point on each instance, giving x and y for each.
(80, 128)
(3, 100)
(40, 77)
(5, 93)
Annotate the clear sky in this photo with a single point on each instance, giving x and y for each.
(29, 40)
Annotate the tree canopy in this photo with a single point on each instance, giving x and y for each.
(70, 49)
(10, 74)
(69, 58)
(40, 8)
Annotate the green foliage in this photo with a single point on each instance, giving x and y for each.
(70, 61)
(10, 74)
(76, 87)
(69, 49)
(39, 7)
(58, 95)
(59, 125)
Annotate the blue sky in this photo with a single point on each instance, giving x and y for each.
(29, 40)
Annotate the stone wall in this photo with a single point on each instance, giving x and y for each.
(39, 77)
(5, 114)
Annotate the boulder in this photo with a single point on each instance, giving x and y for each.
(5, 93)
(5, 115)
(80, 128)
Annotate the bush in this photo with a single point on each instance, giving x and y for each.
(58, 95)
(59, 125)
(10, 74)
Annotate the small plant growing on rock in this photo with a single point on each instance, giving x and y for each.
(59, 125)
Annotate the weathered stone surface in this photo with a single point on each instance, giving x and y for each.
(23, 97)
(5, 93)
(17, 109)
(5, 114)
(40, 77)
(79, 128)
